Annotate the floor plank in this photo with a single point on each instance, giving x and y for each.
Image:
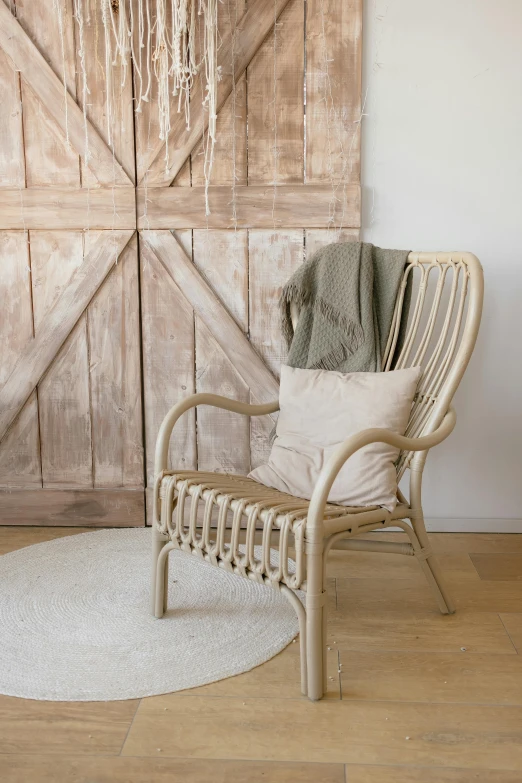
(64, 727)
(356, 774)
(407, 595)
(328, 731)
(513, 625)
(478, 632)
(14, 537)
(432, 677)
(369, 565)
(278, 678)
(44, 769)
(502, 567)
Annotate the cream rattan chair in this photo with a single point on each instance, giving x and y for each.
(442, 328)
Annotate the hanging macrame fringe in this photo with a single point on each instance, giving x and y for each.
(169, 43)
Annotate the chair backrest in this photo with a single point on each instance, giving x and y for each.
(442, 327)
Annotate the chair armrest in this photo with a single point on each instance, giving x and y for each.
(167, 425)
(345, 450)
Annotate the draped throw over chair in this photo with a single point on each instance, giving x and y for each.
(216, 516)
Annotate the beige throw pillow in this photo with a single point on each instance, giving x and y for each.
(318, 411)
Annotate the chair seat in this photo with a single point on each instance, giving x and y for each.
(216, 516)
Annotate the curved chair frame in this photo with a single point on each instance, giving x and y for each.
(444, 359)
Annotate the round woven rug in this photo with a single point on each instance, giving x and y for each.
(75, 622)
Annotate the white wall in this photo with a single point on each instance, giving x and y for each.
(442, 170)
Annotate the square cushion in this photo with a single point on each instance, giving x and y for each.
(318, 411)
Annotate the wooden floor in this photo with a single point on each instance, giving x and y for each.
(420, 698)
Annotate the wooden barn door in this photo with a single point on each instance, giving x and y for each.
(116, 286)
(285, 181)
(70, 399)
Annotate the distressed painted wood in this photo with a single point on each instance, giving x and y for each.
(168, 359)
(276, 104)
(115, 376)
(56, 326)
(208, 295)
(46, 85)
(20, 451)
(67, 208)
(257, 206)
(72, 507)
(225, 330)
(251, 32)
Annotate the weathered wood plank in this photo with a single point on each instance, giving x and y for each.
(225, 330)
(47, 87)
(168, 360)
(83, 507)
(276, 102)
(257, 206)
(12, 165)
(57, 324)
(67, 208)
(20, 451)
(273, 259)
(317, 238)
(223, 437)
(115, 376)
(49, 160)
(333, 92)
(63, 392)
(251, 31)
(121, 140)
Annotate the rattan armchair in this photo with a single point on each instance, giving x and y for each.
(217, 516)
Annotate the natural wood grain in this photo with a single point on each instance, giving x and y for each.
(343, 731)
(115, 376)
(278, 678)
(227, 333)
(121, 141)
(419, 631)
(513, 625)
(275, 102)
(84, 507)
(15, 537)
(257, 206)
(67, 208)
(49, 159)
(373, 565)
(333, 93)
(273, 257)
(487, 543)
(20, 450)
(12, 164)
(168, 360)
(63, 392)
(223, 437)
(370, 774)
(61, 727)
(46, 85)
(405, 595)
(42, 769)
(251, 31)
(499, 567)
(431, 677)
(57, 324)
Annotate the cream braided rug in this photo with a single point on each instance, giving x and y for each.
(75, 622)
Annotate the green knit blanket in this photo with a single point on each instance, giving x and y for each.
(346, 295)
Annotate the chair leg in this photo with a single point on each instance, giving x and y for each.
(158, 542)
(161, 581)
(315, 620)
(425, 557)
(301, 616)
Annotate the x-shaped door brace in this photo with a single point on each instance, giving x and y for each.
(153, 208)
